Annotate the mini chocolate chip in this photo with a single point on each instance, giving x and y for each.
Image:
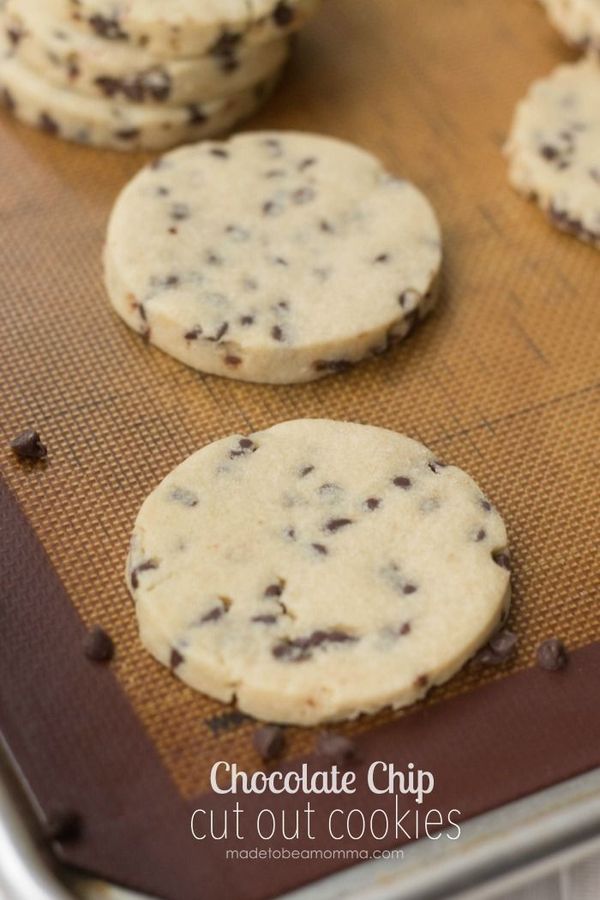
(233, 361)
(8, 100)
(225, 44)
(180, 212)
(404, 628)
(382, 258)
(306, 163)
(226, 721)
(332, 365)
(196, 115)
(107, 28)
(409, 588)
(549, 152)
(246, 320)
(320, 548)
(274, 590)
(485, 504)
(269, 742)
(283, 14)
(325, 226)
(14, 35)
(98, 645)
(219, 152)
(402, 481)
(373, 503)
(176, 659)
(298, 649)
(306, 470)
(337, 748)
(335, 524)
(502, 560)
(63, 824)
(28, 445)
(267, 619)
(481, 534)
(245, 446)
(183, 496)
(193, 334)
(422, 681)
(499, 649)
(48, 124)
(437, 464)
(127, 134)
(213, 615)
(552, 655)
(142, 567)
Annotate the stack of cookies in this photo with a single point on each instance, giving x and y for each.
(143, 74)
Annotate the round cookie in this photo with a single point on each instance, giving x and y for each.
(103, 123)
(554, 148)
(578, 21)
(317, 570)
(183, 28)
(72, 59)
(275, 257)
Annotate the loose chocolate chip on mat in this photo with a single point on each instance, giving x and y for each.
(552, 655)
(499, 649)
(28, 445)
(269, 742)
(63, 824)
(337, 748)
(98, 645)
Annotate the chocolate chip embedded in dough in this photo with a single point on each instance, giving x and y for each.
(283, 14)
(402, 481)
(107, 27)
(334, 525)
(299, 649)
(145, 566)
(502, 559)
(269, 742)
(47, 124)
(176, 659)
(183, 496)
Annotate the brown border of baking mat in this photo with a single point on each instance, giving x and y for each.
(79, 744)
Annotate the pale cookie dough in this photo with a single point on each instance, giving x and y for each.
(317, 570)
(111, 124)
(577, 20)
(72, 59)
(554, 148)
(170, 28)
(274, 257)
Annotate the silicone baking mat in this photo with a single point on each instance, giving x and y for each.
(501, 380)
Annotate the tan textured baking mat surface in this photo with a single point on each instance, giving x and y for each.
(502, 380)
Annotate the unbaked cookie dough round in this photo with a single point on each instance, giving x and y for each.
(317, 570)
(577, 20)
(274, 257)
(184, 28)
(112, 124)
(554, 148)
(74, 60)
